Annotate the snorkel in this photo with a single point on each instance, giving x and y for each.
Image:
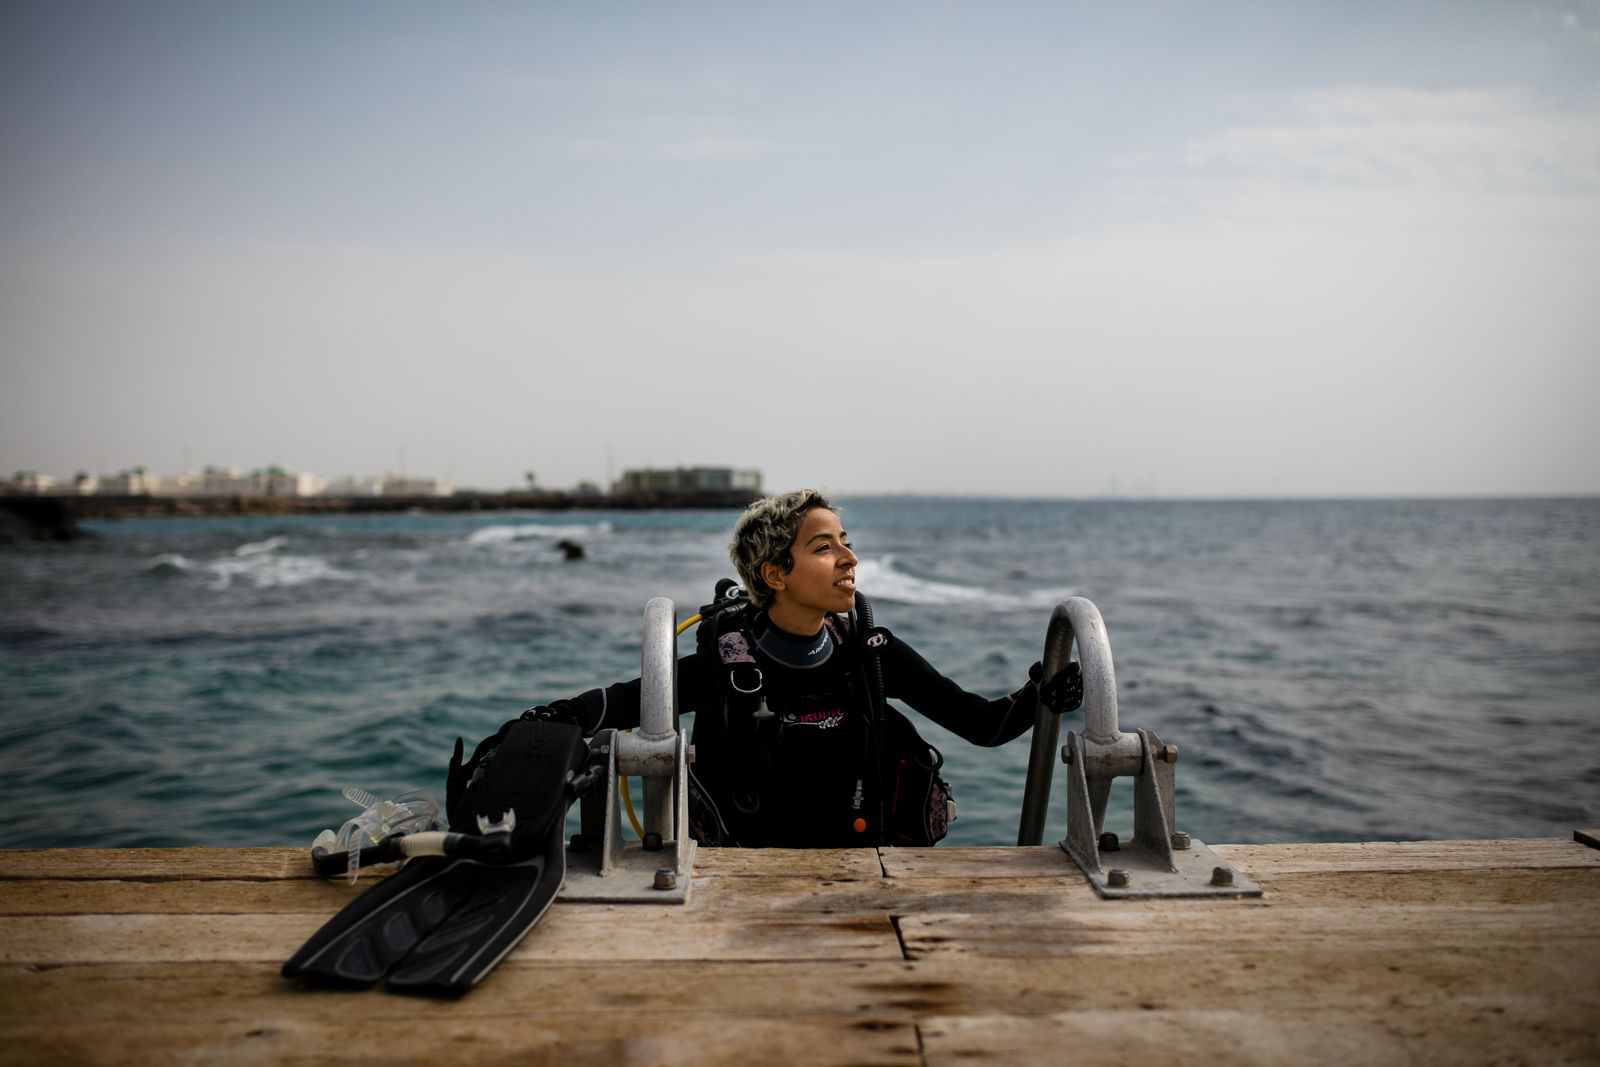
(408, 813)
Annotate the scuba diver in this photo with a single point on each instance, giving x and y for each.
(795, 745)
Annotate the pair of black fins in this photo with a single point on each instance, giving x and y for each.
(442, 922)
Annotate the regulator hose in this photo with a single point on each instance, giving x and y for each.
(875, 699)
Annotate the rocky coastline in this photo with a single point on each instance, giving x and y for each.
(56, 518)
(26, 519)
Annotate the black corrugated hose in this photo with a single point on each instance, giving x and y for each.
(874, 673)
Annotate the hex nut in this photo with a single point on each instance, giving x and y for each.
(1180, 840)
(1169, 753)
(1222, 876)
(666, 878)
(1066, 754)
(1109, 842)
(1117, 876)
(652, 841)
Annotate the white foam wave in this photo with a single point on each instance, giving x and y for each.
(257, 564)
(260, 548)
(264, 571)
(533, 531)
(882, 579)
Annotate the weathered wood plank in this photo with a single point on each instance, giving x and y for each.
(1462, 1036)
(447, 1038)
(189, 864)
(640, 932)
(712, 894)
(60, 896)
(1259, 861)
(834, 864)
(1132, 928)
(981, 895)
(1037, 861)
(1268, 861)
(1346, 977)
(1590, 837)
(525, 986)
(1551, 885)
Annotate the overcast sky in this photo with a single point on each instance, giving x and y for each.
(1050, 249)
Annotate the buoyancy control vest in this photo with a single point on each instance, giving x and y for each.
(806, 758)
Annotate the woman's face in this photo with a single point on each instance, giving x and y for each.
(823, 578)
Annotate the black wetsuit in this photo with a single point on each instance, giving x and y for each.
(803, 777)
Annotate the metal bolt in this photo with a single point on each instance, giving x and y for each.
(1180, 840)
(1116, 876)
(666, 878)
(1169, 753)
(652, 841)
(1109, 842)
(1066, 754)
(1222, 876)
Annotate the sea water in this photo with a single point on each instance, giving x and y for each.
(1331, 670)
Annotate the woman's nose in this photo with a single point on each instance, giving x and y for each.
(848, 558)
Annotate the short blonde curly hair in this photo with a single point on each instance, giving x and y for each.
(765, 533)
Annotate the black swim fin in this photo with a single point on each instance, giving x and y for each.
(443, 921)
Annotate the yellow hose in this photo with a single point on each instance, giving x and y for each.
(622, 783)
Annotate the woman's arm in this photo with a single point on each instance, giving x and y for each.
(616, 707)
(909, 677)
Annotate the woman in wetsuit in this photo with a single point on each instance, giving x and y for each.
(793, 747)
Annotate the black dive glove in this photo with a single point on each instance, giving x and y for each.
(460, 775)
(1064, 692)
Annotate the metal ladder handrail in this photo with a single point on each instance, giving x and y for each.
(1075, 620)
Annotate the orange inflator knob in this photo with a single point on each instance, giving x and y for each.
(860, 826)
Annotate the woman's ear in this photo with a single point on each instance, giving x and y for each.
(772, 574)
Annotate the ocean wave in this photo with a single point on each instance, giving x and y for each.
(884, 579)
(261, 548)
(266, 571)
(258, 564)
(534, 531)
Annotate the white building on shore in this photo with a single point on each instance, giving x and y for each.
(687, 479)
(137, 482)
(388, 485)
(393, 486)
(214, 481)
(28, 483)
(230, 481)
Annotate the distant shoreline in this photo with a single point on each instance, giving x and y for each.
(56, 517)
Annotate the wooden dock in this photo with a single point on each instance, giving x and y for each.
(1424, 952)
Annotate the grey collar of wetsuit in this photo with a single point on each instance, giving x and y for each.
(792, 651)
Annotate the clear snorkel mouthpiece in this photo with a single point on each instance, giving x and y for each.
(408, 813)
